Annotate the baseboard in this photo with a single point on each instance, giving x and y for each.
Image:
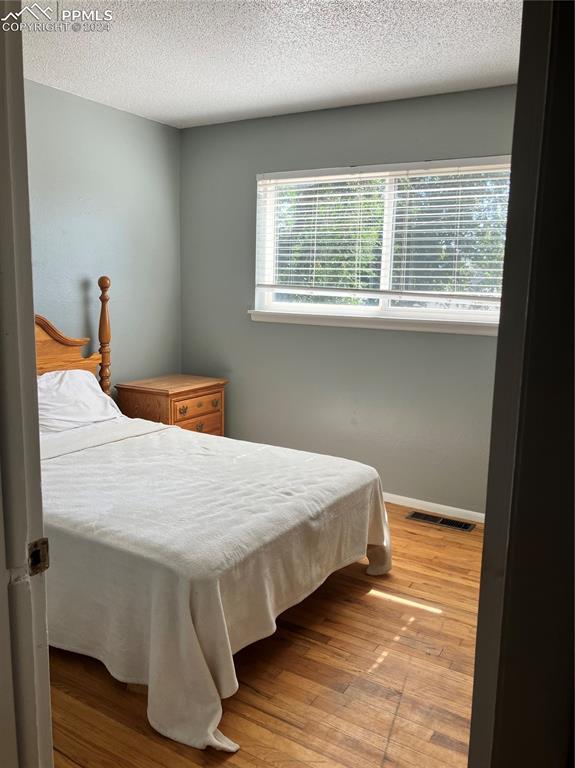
(437, 509)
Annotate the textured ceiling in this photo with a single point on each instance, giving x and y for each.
(208, 61)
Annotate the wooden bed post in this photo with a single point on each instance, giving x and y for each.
(104, 334)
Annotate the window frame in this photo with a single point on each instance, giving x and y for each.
(398, 318)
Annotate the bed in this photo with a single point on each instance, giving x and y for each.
(172, 550)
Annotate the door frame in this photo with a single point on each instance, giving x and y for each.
(24, 666)
(523, 684)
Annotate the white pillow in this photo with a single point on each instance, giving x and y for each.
(70, 399)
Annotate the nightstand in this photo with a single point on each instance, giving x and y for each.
(190, 402)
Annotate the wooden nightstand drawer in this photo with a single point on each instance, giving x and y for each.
(196, 406)
(210, 424)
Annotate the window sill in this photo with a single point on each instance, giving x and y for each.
(469, 327)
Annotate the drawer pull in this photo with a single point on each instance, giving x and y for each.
(215, 403)
(200, 405)
(182, 410)
(200, 427)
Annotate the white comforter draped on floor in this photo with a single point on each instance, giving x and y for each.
(171, 550)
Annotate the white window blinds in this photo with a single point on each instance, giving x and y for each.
(403, 241)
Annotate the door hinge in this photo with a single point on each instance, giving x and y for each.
(38, 556)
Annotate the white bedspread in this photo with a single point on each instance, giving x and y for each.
(171, 550)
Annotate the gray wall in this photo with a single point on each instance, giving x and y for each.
(104, 195)
(416, 406)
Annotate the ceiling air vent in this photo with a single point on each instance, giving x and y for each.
(446, 522)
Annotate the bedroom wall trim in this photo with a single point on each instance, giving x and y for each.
(432, 506)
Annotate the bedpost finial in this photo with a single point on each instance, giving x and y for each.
(104, 283)
(104, 334)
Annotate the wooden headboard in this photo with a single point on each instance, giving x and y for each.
(56, 352)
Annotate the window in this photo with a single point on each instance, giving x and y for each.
(417, 246)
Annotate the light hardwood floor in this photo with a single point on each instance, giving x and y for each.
(365, 672)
